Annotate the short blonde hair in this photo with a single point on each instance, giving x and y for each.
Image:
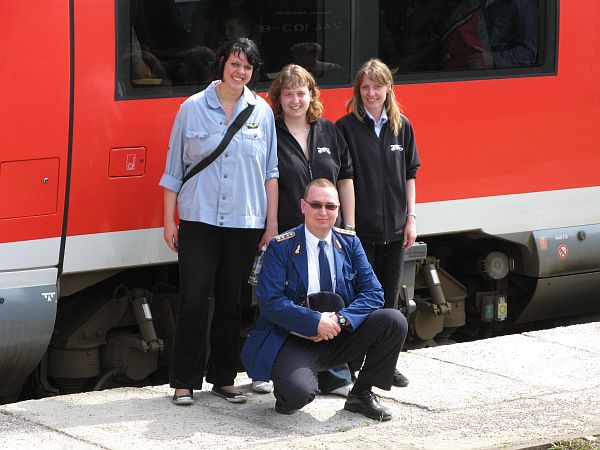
(291, 76)
(319, 182)
(379, 72)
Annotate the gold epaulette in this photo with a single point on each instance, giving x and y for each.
(344, 231)
(285, 236)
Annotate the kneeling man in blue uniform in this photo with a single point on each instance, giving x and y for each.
(291, 342)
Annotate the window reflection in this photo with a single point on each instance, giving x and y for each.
(171, 44)
(439, 35)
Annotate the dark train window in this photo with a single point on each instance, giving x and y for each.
(446, 36)
(168, 47)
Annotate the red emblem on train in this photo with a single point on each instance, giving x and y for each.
(563, 251)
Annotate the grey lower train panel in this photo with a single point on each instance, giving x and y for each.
(558, 251)
(563, 265)
(569, 295)
(28, 301)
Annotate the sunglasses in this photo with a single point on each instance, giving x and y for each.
(319, 205)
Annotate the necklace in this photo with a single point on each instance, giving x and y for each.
(220, 97)
(299, 130)
(224, 103)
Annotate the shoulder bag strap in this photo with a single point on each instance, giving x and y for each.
(233, 128)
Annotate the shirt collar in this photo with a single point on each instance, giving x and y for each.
(313, 242)
(383, 119)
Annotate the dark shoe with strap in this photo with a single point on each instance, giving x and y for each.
(183, 399)
(231, 397)
(399, 379)
(368, 405)
(281, 410)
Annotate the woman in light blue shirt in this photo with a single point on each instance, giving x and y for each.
(227, 211)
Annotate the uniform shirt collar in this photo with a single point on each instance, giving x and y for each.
(312, 241)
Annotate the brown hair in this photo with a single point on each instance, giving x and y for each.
(377, 71)
(291, 76)
(319, 182)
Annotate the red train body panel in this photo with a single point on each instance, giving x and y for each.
(526, 134)
(35, 118)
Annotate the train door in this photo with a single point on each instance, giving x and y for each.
(119, 145)
(34, 114)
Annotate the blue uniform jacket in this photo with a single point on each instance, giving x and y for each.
(282, 286)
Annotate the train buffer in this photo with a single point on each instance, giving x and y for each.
(514, 391)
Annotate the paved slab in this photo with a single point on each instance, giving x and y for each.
(507, 392)
(17, 432)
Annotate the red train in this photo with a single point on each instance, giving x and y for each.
(508, 191)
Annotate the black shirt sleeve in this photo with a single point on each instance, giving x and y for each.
(412, 156)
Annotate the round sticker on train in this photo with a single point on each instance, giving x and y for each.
(563, 251)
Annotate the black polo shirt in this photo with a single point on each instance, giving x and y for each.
(328, 157)
(382, 164)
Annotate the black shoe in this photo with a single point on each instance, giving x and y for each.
(232, 397)
(399, 379)
(281, 410)
(368, 405)
(184, 399)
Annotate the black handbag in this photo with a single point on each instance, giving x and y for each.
(231, 130)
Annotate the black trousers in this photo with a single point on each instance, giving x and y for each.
(387, 261)
(210, 257)
(380, 336)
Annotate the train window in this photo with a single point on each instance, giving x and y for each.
(450, 36)
(315, 34)
(168, 47)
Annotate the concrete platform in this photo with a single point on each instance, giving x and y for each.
(513, 391)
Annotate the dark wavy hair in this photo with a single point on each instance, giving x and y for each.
(237, 46)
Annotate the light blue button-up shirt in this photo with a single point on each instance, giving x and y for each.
(378, 125)
(230, 192)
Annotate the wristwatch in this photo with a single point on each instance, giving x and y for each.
(342, 321)
(349, 228)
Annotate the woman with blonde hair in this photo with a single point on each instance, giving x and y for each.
(308, 147)
(385, 163)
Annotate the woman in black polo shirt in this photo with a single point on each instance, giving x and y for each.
(308, 146)
(385, 159)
